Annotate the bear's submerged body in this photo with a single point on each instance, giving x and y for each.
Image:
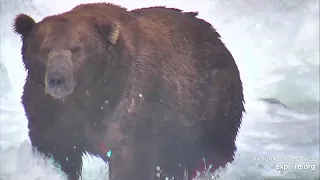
(154, 86)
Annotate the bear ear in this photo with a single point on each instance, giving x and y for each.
(109, 32)
(114, 33)
(23, 24)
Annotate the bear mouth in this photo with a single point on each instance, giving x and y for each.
(58, 86)
(58, 92)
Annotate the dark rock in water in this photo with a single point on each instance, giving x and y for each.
(274, 101)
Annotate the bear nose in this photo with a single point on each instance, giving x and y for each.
(55, 81)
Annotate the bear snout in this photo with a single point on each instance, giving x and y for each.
(58, 84)
(59, 79)
(55, 80)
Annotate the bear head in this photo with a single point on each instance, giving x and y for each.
(68, 51)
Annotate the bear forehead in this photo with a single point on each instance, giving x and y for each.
(61, 31)
(61, 25)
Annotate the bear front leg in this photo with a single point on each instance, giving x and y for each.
(70, 161)
(132, 165)
(122, 165)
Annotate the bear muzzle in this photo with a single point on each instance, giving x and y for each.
(59, 77)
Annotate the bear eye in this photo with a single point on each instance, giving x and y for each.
(75, 49)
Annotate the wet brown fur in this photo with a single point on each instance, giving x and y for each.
(163, 92)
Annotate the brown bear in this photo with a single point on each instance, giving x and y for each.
(151, 91)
